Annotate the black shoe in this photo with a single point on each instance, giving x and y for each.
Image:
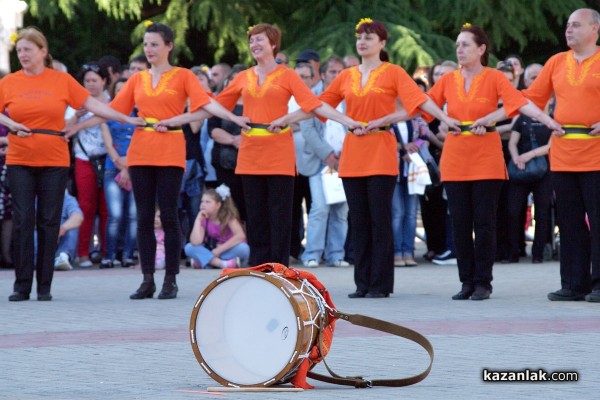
(566, 295)
(106, 264)
(593, 297)
(44, 297)
(18, 296)
(95, 256)
(169, 291)
(359, 294)
(145, 291)
(376, 295)
(481, 293)
(464, 293)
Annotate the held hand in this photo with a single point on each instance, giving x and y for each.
(595, 129)
(242, 122)
(558, 133)
(125, 180)
(453, 125)
(478, 130)
(81, 112)
(137, 121)
(276, 125)
(70, 130)
(121, 163)
(555, 126)
(373, 126)
(356, 127)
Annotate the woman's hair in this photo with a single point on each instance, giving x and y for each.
(94, 67)
(376, 27)
(163, 30)
(480, 38)
(272, 32)
(228, 211)
(34, 35)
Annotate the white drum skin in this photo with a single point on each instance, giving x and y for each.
(249, 328)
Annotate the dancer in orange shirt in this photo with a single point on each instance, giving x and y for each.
(472, 165)
(575, 156)
(266, 158)
(156, 159)
(38, 157)
(369, 159)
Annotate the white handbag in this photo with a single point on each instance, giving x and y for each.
(333, 188)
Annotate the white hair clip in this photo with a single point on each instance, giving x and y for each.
(223, 191)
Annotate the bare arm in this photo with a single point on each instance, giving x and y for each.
(198, 231)
(73, 222)
(238, 237)
(432, 109)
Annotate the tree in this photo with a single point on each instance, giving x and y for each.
(420, 31)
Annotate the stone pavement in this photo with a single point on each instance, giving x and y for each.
(92, 342)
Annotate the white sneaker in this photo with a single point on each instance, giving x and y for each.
(311, 264)
(61, 263)
(446, 258)
(85, 264)
(340, 263)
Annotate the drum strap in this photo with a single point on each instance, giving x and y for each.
(383, 326)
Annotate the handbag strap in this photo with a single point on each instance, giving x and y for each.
(532, 138)
(383, 326)
(82, 148)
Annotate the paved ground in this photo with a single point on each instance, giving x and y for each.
(92, 342)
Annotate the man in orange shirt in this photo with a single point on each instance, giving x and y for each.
(575, 154)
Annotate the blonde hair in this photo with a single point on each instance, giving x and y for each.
(228, 211)
(34, 35)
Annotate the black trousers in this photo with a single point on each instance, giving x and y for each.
(473, 206)
(269, 210)
(151, 186)
(433, 213)
(46, 185)
(370, 211)
(517, 207)
(578, 195)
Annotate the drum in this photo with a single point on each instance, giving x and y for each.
(250, 328)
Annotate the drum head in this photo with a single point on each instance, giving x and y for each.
(246, 330)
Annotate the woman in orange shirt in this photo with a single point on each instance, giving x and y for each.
(266, 160)
(472, 164)
(369, 162)
(156, 159)
(38, 157)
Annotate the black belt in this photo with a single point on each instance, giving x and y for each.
(45, 132)
(467, 128)
(262, 126)
(576, 130)
(379, 129)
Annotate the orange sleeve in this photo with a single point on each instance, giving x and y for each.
(230, 95)
(195, 92)
(333, 95)
(124, 101)
(303, 95)
(542, 87)
(408, 91)
(512, 99)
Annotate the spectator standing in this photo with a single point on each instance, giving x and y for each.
(68, 234)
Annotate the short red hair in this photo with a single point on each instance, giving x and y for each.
(272, 32)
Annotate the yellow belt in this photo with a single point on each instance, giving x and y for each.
(152, 121)
(265, 132)
(577, 132)
(464, 128)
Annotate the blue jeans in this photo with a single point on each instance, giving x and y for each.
(404, 220)
(68, 244)
(203, 255)
(327, 226)
(122, 217)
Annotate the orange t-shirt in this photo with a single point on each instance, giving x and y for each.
(39, 102)
(375, 153)
(166, 100)
(274, 154)
(474, 157)
(577, 89)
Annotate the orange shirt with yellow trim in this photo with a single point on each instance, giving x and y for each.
(263, 103)
(577, 89)
(39, 102)
(374, 153)
(166, 100)
(474, 157)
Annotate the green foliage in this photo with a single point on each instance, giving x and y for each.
(420, 31)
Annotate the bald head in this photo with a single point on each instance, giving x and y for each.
(582, 29)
